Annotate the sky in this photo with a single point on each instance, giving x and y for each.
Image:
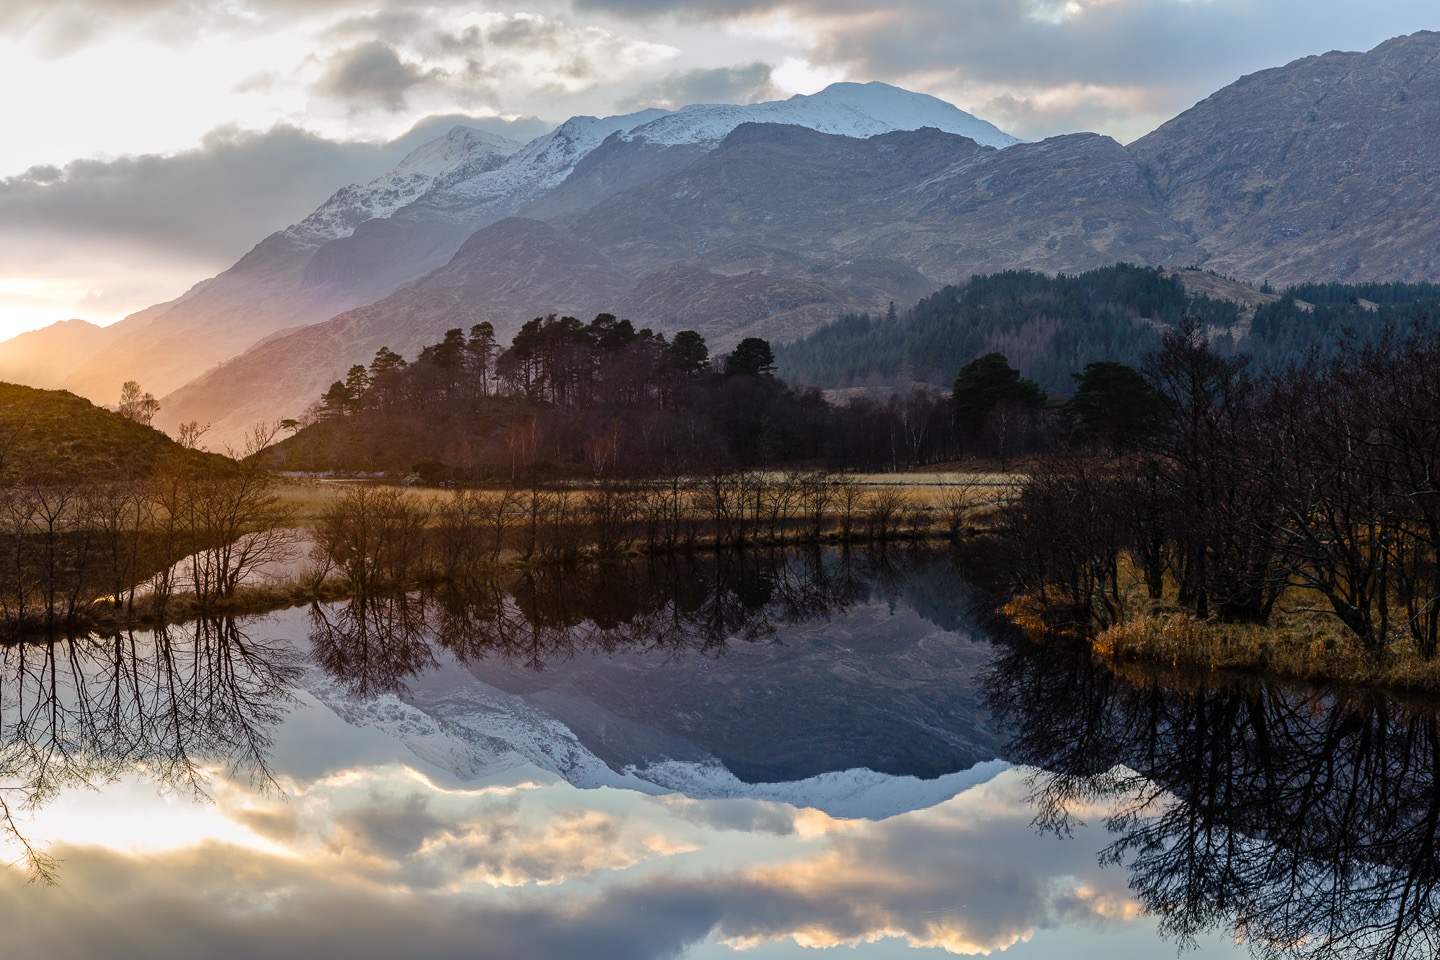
(149, 143)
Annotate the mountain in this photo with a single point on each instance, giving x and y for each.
(49, 356)
(367, 241)
(167, 345)
(769, 219)
(1322, 170)
(774, 231)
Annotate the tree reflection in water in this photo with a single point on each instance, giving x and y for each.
(372, 643)
(1303, 822)
(175, 702)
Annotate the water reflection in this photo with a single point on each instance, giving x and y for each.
(1304, 822)
(545, 617)
(85, 711)
(780, 666)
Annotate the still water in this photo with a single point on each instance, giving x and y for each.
(763, 756)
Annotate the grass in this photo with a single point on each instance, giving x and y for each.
(1305, 647)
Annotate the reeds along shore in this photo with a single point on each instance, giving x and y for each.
(81, 556)
(374, 536)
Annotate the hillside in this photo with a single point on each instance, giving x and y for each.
(1051, 327)
(1317, 171)
(770, 219)
(54, 435)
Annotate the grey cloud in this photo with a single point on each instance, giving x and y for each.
(405, 50)
(395, 830)
(228, 903)
(749, 816)
(742, 84)
(64, 26)
(1159, 55)
(372, 73)
(217, 200)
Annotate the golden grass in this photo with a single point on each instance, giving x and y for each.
(309, 498)
(1300, 648)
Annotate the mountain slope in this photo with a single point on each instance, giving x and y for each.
(367, 241)
(54, 436)
(1321, 170)
(704, 218)
(776, 230)
(263, 292)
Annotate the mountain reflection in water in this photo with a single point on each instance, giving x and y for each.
(767, 662)
(1303, 823)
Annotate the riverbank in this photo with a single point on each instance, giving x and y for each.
(1313, 649)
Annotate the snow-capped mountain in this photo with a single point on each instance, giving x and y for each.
(541, 164)
(473, 730)
(767, 219)
(845, 109)
(368, 241)
(463, 153)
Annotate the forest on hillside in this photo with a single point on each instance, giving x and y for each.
(1050, 328)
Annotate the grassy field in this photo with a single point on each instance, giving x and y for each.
(308, 498)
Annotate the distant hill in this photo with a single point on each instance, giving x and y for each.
(1051, 327)
(55, 435)
(49, 356)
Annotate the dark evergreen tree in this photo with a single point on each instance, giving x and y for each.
(1114, 407)
(985, 384)
(752, 358)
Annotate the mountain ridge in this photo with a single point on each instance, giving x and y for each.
(1315, 170)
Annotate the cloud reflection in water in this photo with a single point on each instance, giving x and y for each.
(381, 862)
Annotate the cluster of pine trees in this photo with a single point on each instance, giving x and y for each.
(1052, 327)
(597, 399)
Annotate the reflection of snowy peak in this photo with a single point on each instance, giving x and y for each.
(847, 109)
(461, 154)
(473, 730)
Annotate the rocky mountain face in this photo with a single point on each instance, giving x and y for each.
(769, 219)
(1322, 170)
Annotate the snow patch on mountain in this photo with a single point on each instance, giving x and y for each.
(463, 153)
(476, 731)
(848, 109)
(860, 110)
(540, 165)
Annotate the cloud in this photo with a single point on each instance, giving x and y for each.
(100, 238)
(372, 73)
(1149, 58)
(399, 831)
(750, 83)
(65, 26)
(218, 199)
(378, 862)
(477, 60)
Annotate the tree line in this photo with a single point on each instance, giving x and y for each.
(78, 548)
(1310, 488)
(601, 399)
(384, 538)
(1051, 327)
